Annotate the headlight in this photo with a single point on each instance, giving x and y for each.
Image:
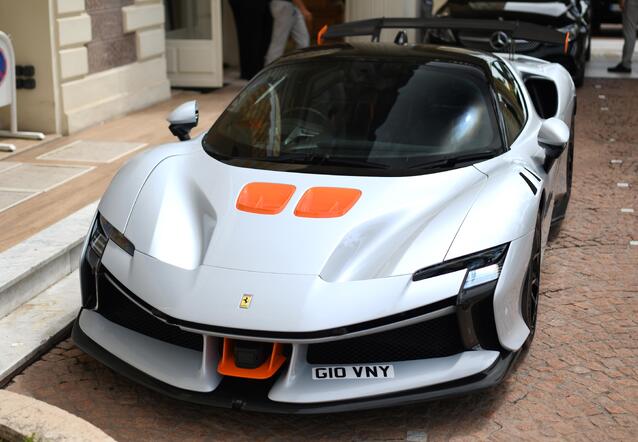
(482, 275)
(482, 267)
(103, 232)
(98, 238)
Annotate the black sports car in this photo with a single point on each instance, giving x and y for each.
(567, 16)
(605, 11)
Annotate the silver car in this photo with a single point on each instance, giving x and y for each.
(362, 227)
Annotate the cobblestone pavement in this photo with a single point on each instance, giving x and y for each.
(579, 381)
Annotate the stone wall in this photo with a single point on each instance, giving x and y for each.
(111, 46)
(111, 58)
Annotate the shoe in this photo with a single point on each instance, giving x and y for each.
(619, 69)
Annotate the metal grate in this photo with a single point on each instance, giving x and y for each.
(429, 339)
(117, 308)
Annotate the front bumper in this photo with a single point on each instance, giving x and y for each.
(443, 348)
(252, 395)
(124, 333)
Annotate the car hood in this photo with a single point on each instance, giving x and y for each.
(545, 12)
(186, 216)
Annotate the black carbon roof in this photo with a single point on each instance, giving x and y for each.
(390, 52)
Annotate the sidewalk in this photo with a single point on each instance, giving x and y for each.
(43, 182)
(607, 52)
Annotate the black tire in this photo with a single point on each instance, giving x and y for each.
(531, 288)
(560, 207)
(569, 171)
(579, 75)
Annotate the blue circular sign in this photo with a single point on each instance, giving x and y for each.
(3, 66)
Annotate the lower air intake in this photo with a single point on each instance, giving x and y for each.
(429, 339)
(118, 308)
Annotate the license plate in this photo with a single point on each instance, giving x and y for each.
(383, 371)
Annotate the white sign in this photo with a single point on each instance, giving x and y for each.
(8, 94)
(7, 70)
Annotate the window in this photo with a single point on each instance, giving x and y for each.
(510, 101)
(359, 117)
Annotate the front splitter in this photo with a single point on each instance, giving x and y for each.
(253, 395)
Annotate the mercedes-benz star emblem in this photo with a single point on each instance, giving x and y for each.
(499, 40)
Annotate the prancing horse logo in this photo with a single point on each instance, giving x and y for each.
(499, 40)
(245, 301)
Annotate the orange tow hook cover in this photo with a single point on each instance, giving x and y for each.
(265, 198)
(266, 370)
(327, 202)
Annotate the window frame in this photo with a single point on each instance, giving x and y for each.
(517, 87)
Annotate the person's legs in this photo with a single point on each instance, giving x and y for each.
(256, 10)
(300, 34)
(243, 38)
(266, 35)
(283, 21)
(426, 8)
(629, 21)
(250, 22)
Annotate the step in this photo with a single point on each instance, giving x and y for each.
(24, 418)
(30, 267)
(31, 329)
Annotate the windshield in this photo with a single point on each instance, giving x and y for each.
(359, 117)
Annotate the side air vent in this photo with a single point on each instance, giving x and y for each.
(533, 174)
(529, 182)
(544, 95)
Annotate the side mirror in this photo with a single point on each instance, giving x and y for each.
(553, 136)
(183, 118)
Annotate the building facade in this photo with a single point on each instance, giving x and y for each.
(97, 59)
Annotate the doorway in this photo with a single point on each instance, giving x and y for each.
(194, 54)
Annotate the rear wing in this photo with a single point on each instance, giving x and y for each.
(512, 30)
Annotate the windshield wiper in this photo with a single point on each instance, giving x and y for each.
(352, 162)
(315, 159)
(450, 162)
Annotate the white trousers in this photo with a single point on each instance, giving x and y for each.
(629, 21)
(287, 21)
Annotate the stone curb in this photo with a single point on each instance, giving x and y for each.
(24, 417)
(35, 326)
(40, 291)
(43, 259)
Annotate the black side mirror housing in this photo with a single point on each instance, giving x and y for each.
(183, 119)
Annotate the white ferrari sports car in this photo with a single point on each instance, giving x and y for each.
(362, 227)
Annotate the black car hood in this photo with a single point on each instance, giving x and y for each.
(553, 13)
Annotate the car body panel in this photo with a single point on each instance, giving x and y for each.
(211, 295)
(297, 386)
(322, 280)
(195, 195)
(123, 191)
(178, 366)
